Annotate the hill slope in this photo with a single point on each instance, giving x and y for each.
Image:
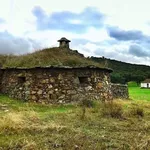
(124, 72)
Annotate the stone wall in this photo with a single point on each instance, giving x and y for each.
(53, 85)
(120, 91)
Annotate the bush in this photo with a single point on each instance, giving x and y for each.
(112, 109)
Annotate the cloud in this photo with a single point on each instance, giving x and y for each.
(123, 35)
(138, 43)
(69, 21)
(79, 41)
(139, 51)
(125, 51)
(10, 44)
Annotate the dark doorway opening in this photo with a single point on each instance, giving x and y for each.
(83, 80)
(21, 80)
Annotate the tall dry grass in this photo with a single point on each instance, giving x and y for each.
(47, 57)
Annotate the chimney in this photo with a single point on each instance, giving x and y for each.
(64, 43)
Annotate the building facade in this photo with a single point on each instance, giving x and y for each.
(56, 84)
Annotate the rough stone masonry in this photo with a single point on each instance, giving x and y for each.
(56, 84)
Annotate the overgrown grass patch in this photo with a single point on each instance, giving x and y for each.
(35, 126)
(112, 109)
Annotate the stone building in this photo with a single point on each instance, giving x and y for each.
(59, 84)
(56, 84)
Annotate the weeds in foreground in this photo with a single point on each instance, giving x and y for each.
(112, 109)
(53, 127)
(137, 111)
(86, 103)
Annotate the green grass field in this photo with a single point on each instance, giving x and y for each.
(136, 93)
(121, 125)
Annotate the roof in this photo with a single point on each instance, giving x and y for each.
(146, 81)
(64, 39)
(60, 67)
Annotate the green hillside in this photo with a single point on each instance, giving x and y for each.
(124, 72)
(47, 57)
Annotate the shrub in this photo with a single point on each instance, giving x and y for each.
(112, 109)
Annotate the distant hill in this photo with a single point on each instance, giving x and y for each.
(46, 57)
(124, 72)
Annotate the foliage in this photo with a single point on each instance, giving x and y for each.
(125, 72)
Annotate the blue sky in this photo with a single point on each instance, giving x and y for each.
(116, 29)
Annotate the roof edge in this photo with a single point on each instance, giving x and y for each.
(58, 67)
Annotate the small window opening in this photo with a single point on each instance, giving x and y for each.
(83, 80)
(21, 80)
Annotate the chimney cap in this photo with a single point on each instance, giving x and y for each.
(64, 39)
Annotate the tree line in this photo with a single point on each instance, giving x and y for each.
(124, 72)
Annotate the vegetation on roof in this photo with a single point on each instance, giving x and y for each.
(46, 57)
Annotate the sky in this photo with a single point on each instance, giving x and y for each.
(115, 29)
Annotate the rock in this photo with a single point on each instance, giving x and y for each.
(27, 83)
(88, 88)
(56, 90)
(39, 92)
(50, 92)
(71, 92)
(34, 97)
(60, 101)
(60, 77)
(50, 86)
(33, 92)
(74, 97)
(27, 92)
(76, 81)
(62, 97)
(53, 96)
(52, 80)
(46, 80)
(99, 85)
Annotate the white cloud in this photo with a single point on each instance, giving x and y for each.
(10, 44)
(126, 14)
